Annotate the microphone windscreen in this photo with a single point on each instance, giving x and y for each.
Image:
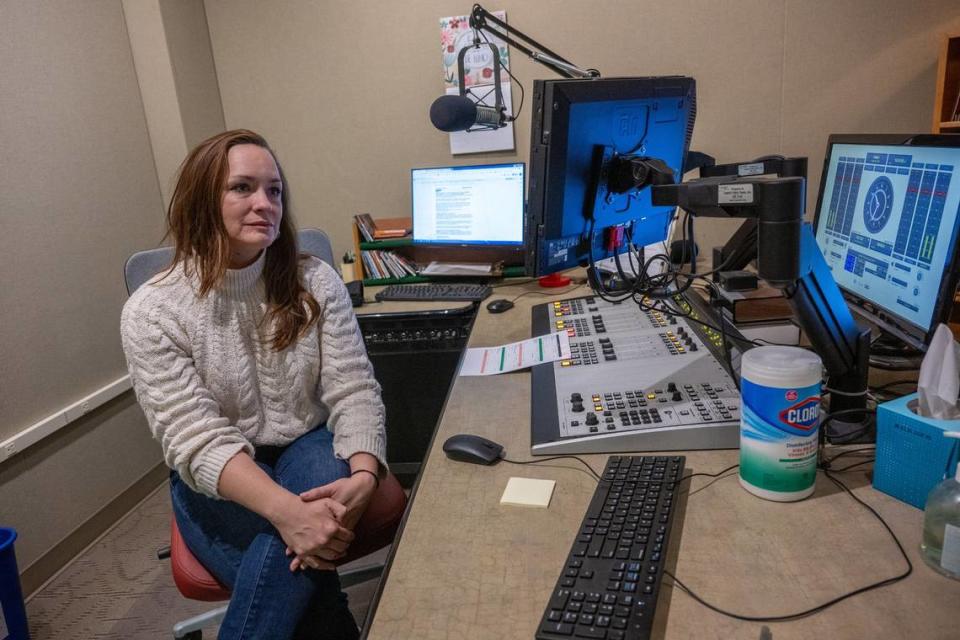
(453, 113)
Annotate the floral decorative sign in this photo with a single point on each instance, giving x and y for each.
(455, 34)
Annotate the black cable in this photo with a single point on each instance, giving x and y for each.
(711, 475)
(885, 366)
(500, 285)
(688, 318)
(895, 383)
(516, 114)
(855, 464)
(825, 605)
(547, 293)
(538, 460)
(723, 334)
(848, 438)
(825, 464)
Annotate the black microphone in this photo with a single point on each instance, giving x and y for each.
(459, 113)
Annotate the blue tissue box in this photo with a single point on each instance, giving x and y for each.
(912, 454)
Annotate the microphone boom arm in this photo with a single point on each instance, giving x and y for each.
(481, 20)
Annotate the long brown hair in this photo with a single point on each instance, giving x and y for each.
(195, 222)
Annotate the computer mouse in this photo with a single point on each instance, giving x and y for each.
(499, 306)
(466, 447)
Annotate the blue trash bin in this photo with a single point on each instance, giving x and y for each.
(13, 626)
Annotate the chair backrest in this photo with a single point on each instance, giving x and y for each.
(316, 243)
(143, 265)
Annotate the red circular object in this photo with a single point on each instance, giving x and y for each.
(554, 280)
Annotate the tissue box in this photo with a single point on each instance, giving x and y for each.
(912, 454)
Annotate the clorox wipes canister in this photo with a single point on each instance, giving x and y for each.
(780, 409)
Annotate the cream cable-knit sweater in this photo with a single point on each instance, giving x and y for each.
(211, 385)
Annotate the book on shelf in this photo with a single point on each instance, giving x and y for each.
(381, 265)
(384, 229)
(387, 228)
(365, 225)
(784, 332)
(763, 304)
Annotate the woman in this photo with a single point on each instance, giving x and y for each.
(250, 368)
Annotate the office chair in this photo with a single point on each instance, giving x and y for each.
(375, 530)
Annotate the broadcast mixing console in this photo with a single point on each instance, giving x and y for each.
(636, 380)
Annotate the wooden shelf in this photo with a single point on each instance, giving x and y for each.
(423, 255)
(393, 243)
(946, 104)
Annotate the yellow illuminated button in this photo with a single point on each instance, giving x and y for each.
(558, 314)
(556, 304)
(565, 363)
(598, 407)
(596, 398)
(651, 396)
(560, 324)
(680, 349)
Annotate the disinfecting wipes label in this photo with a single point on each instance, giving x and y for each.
(950, 557)
(778, 437)
(735, 193)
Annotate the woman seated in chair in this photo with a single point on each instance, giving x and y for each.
(249, 365)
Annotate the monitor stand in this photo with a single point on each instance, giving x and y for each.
(890, 352)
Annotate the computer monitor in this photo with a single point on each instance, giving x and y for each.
(478, 206)
(886, 221)
(579, 127)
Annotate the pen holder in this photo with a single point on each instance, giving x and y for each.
(912, 454)
(348, 272)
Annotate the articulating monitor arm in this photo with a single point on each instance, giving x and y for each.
(788, 258)
(741, 248)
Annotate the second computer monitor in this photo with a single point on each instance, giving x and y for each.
(479, 205)
(887, 221)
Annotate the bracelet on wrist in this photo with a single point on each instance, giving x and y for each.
(376, 478)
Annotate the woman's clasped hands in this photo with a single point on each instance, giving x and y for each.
(318, 524)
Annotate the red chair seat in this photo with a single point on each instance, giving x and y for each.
(376, 529)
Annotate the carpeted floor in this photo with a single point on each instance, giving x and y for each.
(117, 588)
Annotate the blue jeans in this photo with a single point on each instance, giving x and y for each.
(247, 555)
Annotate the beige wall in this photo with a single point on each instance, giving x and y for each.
(100, 103)
(343, 89)
(191, 59)
(78, 194)
(177, 79)
(80, 179)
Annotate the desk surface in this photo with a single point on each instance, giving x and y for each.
(467, 567)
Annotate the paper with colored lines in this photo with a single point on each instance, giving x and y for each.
(488, 361)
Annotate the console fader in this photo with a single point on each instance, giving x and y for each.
(636, 381)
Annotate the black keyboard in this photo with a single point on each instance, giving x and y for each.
(610, 581)
(434, 291)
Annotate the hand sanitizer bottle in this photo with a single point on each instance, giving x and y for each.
(940, 547)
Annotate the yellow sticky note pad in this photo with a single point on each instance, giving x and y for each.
(528, 492)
